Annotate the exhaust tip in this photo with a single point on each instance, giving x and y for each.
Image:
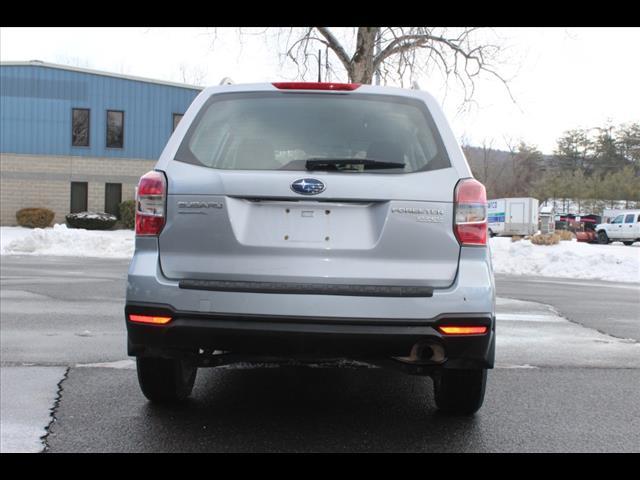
(424, 352)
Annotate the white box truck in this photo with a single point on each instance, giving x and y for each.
(513, 216)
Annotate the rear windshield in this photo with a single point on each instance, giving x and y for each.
(281, 131)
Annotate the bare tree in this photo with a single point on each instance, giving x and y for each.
(463, 54)
(192, 75)
(491, 167)
(487, 158)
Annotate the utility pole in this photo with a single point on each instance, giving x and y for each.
(319, 65)
(377, 52)
(326, 64)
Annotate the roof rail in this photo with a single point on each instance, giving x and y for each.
(226, 81)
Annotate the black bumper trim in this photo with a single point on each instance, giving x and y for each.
(165, 309)
(308, 288)
(294, 335)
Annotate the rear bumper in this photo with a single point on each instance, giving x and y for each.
(311, 323)
(190, 332)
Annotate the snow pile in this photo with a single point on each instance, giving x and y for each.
(93, 215)
(64, 241)
(614, 262)
(9, 234)
(569, 259)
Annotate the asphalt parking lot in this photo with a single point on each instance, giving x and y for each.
(567, 376)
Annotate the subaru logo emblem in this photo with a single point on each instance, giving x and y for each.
(307, 186)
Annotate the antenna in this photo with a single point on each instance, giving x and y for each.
(415, 85)
(226, 81)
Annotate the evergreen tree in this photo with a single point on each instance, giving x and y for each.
(607, 158)
(573, 150)
(628, 143)
(526, 164)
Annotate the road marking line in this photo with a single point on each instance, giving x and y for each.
(126, 364)
(580, 284)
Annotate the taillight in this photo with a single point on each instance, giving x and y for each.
(150, 203)
(463, 329)
(470, 210)
(315, 86)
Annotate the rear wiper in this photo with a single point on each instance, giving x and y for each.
(349, 164)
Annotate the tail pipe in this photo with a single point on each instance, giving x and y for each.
(427, 352)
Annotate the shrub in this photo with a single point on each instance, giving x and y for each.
(565, 235)
(545, 239)
(91, 220)
(34, 217)
(128, 213)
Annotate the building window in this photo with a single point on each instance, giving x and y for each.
(176, 120)
(79, 192)
(112, 198)
(115, 129)
(80, 127)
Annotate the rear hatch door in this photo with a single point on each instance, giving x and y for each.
(237, 209)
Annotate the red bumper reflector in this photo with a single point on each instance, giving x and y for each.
(149, 319)
(463, 330)
(315, 86)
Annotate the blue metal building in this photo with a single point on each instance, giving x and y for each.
(54, 128)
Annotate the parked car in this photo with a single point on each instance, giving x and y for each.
(312, 221)
(624, 228)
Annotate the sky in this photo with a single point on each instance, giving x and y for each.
(560, 78)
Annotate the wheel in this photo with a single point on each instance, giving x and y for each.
(460, 391)
(491, 234)
(603, 239)
(165, 380)
(628, 243)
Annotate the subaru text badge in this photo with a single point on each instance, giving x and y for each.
(307, 186)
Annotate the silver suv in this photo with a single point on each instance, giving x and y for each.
(312, 221)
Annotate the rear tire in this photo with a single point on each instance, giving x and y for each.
(460, 392)
(164, 380)
(628, 243)
(603, 238)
